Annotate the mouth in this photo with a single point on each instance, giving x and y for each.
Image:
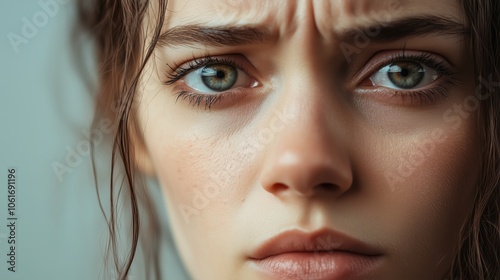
(324, 254)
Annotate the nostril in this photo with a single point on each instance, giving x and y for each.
(279, 187)
(326, 187)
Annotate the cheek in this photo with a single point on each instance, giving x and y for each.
(422, 187)
(204, 181)
(205, 174)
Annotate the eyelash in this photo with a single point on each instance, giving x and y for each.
(195, 99)
(420, 96)
(430, 95)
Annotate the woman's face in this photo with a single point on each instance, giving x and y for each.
(312, 139)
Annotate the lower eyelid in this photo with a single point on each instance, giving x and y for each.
(222, 100)
(440, 89)
(384, 58)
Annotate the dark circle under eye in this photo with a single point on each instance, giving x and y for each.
(406, 74)
(219, 77)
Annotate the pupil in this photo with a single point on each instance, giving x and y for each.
(406, 74)
(219, 77)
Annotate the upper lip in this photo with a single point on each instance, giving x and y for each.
(321, 241)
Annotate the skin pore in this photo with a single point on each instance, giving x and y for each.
(313, 134)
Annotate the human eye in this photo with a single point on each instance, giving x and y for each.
(210, 79)
(413, 77)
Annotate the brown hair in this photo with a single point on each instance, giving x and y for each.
(117, 27)
(123, 52)
(479, 251)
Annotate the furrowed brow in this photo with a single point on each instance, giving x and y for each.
(408, 27)
(213, 36)
(221, 36)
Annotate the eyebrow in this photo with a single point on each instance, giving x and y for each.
(408, 27)
(214, 36)
(227, 35)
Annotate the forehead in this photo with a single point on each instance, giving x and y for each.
(325, 14)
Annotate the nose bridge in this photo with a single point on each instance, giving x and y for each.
(310, 95)
(308, 151)
(315, 122)
(310, 117)
(307, 81)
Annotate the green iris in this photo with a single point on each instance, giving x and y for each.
(406, 74)
(219, 77)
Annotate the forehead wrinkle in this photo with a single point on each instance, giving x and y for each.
(340, 15)
(343, 14)
(344, 9)
(285, 17)
(349, 7)
(277, 15)
(262, 10)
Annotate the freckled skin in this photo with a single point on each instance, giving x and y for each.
(240, 173)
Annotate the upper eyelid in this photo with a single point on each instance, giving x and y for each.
(371, 67)
(179, 70)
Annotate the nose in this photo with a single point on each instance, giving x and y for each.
(309, 155)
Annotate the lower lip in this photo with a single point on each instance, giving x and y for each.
(316, 265)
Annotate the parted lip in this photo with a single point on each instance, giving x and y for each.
(321, 241)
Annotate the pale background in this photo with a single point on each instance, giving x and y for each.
(44, 107)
